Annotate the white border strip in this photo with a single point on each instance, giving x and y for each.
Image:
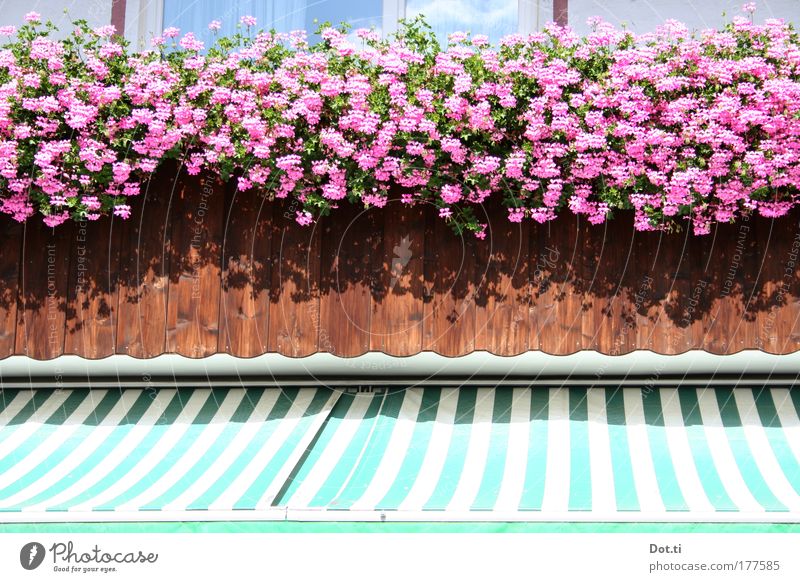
(322, 515)
(651, 368)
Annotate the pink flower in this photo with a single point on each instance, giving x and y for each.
(214, 25)
(122, 210)
(171, 32)
(248, 20)
(106, 31)
(304, 218)
(189, 42)
(749, 7)
(8, 30)
(33, 17)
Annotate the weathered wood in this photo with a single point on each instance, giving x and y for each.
(246, 273)
(195, 267)
(502, 271)
(722, 267)
(11, 243)
(395, 280)
(144, 270)
(397, 302)
(556, 263)
(350, 239)
(450, 317)
(41, 312)
(92, 293)
(294, 296)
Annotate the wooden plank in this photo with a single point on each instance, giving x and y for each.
(449, 326)
(664, 269)
(724, 268)
(503, 299)
(789, 317)
(350, 239)
(681, 320)
(246, 274)
(558, 307)
(11, 233)
(397, 300)
(534, 284)
(92, 293)
(195, 266)
(777, 246)
(647, 299)
(11, 242)
(750, 325)
(144, 270)
(622, 283)
(41, 312)
(294, 298)
(593, 261)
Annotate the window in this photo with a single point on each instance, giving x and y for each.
(642, 16)
(282, 15)
(494, 18)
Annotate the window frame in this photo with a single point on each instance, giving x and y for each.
(145, 18)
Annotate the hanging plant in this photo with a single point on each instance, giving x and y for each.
(678, 127)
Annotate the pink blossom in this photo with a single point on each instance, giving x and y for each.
(106, 31)
(33, 17)
(304, 218)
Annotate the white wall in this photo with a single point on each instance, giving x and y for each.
(644, 15)
(96, 12)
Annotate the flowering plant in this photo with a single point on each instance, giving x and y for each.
(679, 127)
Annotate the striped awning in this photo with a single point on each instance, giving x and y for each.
(419, 454)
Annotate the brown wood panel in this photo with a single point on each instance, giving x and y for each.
(41, 312)
(449, 322)
(350, 240)
(598, 278)
(195, 267)
(395, 280)
(648, 301)
(788, 329)
(246, 274)
(144, 270)
(556, 263)
(11, 243)
(751, 330)
(777, 248)
(294, 297)
(503, 299)
(698, 300)
(92, 293)
(397, 298)
(621, 283)
(723, 267)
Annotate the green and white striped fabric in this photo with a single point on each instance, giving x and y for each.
(130, 451)
(420, 454)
